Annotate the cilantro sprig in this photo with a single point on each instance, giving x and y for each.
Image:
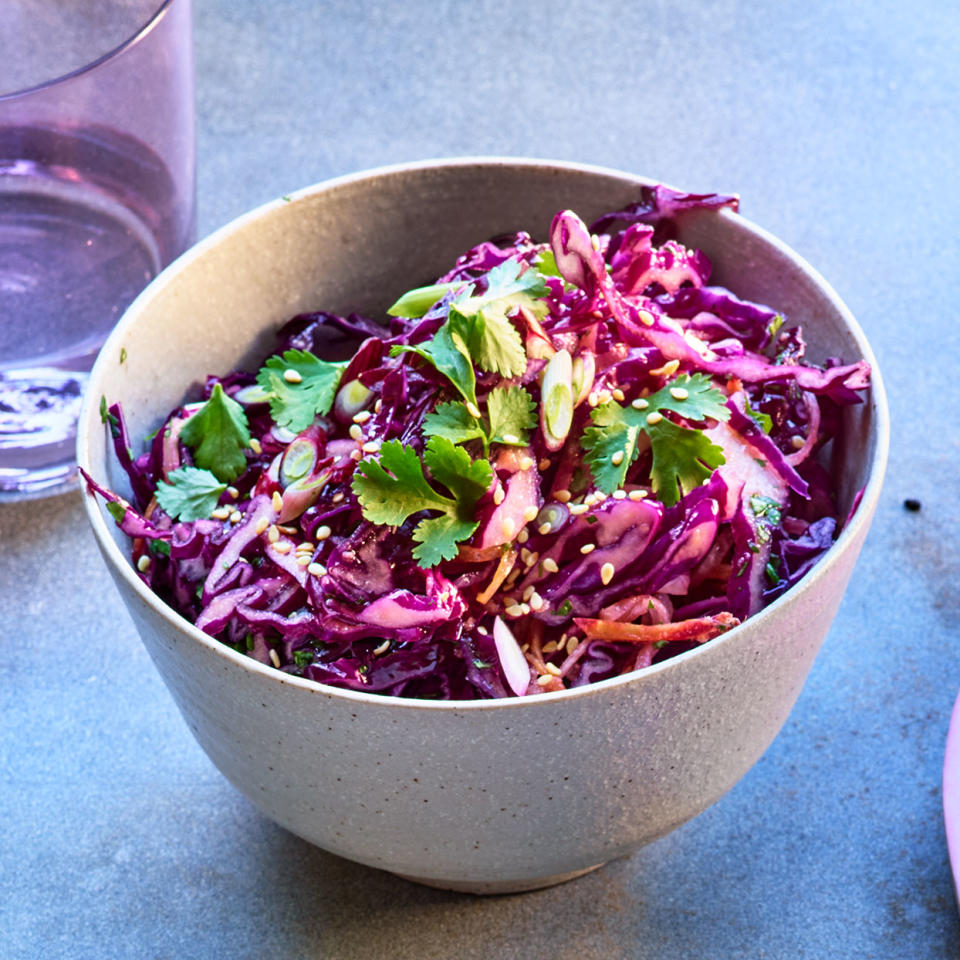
(683, 457)
(300, 387)
(478, 331)
(189, 493)
(393, 487)
(218, 433)
(510, 416)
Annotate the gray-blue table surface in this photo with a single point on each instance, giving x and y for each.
(838, 125)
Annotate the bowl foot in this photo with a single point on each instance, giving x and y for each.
(499, 886)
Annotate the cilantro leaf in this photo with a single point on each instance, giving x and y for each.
(683, 457)
(391, 497)
(218, 433)
(455, 422)
(466, 479)
(512, 413)
(702, 398)
(300, 387)
(448, 353)
(764, 420)
(415, 303)
(682, 460)
(190, 493)
(494, 341)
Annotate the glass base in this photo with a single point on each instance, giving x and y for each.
(38, 416)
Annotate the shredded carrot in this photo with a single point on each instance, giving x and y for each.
(468, 554)
(734, 385)
(698, 629)
(507, 560)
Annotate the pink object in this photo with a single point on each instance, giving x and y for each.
(951, 794)
(97, 195)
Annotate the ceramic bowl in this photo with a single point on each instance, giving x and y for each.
(485, 796)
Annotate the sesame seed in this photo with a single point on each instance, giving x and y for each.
(221, 513)
(578, 509)
(606, 573)
(316, 569)
(371, 446)
(378, 406)
(514, 610)
(362, 417)
(550, 646)
(667, 370)
(262, 525)
(588, 548)
(536, 601)
(530, 513)
(654, 417)
(524, 609)
(255, 446)
(528, 593)
(282, 546)
(604, 396)
(619, 494)
(553, 668)
(544, 464)
(592, 399)
(637, 494)
(355, 454)
(273, 534)
(594, 241)
(619, 395)
(678, 393)
(323, 532)
(526, 463)
(498, 495)
(482, 631)
(544, 680)
(143, 563)
(510, 438)
(508, 527)
(572, 644)
(617, 458)
(550, 565)
(303, 560)
(599, 496)
(639, 404)
(473, 410)
(524, 647)
(291, 376)
(274, 656)
(337, 497)
(562, 496)
(276, 502)
(233, 492)
(305, 547)
(796, 441)
(645, 317)
(236, 516)
(523, 536)
(383, 648)
(544, 529)
(355, 432)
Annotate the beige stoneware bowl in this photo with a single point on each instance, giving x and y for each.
(484, 796)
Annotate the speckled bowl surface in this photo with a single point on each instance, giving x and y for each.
(487, 796)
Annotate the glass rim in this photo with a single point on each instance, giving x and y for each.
(92, 65)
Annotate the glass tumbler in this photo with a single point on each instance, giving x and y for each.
(97, 195)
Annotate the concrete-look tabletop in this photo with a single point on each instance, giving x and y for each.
(838, 125)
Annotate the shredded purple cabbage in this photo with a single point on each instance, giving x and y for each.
(586, 585)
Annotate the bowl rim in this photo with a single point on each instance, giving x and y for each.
(89, 417)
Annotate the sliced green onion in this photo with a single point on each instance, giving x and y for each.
(415, 303)
(556, 404)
